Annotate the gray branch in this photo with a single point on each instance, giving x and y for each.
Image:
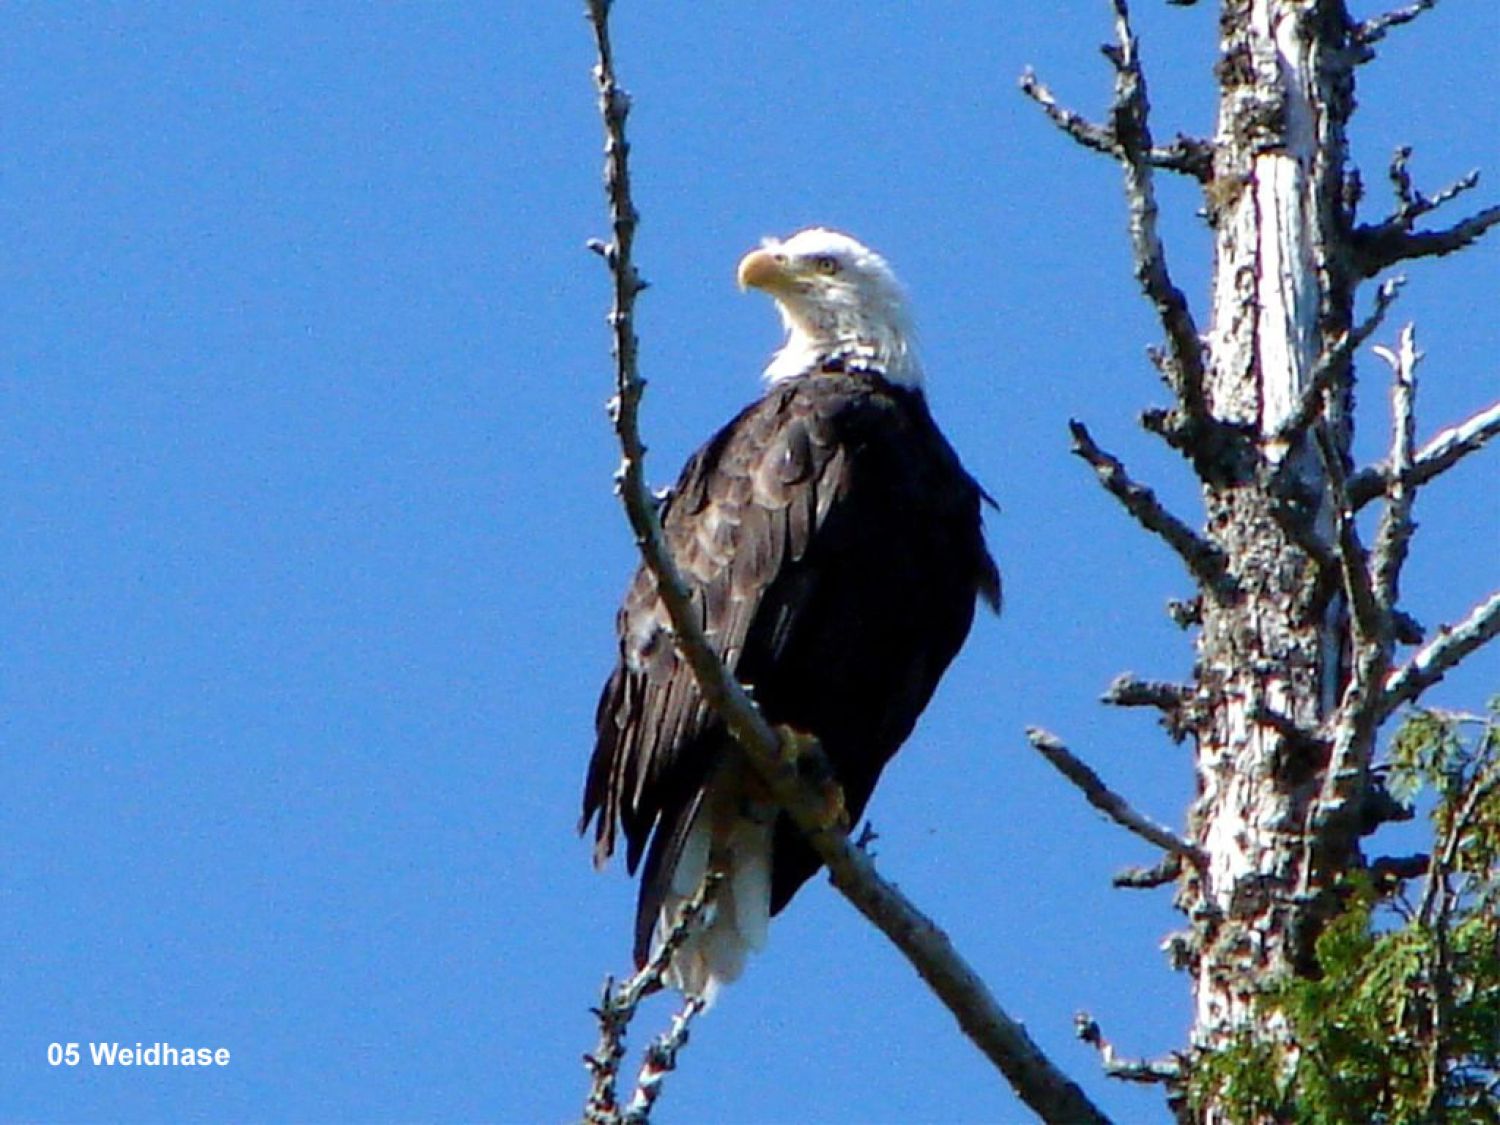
(1435, 458)
(1106, 800)
(1374, 29)
(1168, 1071)
(1127, 690)
(1005, 1042)
(1333, 366)
(1393, 536)
(1128, 139)
(1192, 156)
(1204, 561)
(1435, 659)
(1146, 878)
(1378, 246)
(617, 1007)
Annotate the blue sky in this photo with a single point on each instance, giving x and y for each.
(311, 559)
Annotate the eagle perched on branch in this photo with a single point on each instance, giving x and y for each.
(832, 541)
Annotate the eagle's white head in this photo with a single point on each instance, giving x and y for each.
(838, 300)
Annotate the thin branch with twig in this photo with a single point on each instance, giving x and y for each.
(1333, 367)
(1435, 659)
(1374, 29)
(1105, 799)
(1393, 536)
(1435, 458)
(1204, 561)
(617, 1007)
(1169, 1071)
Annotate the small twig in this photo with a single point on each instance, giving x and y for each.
(1145, 878)
(1365, 618)
(1169, 1070)
(1375, 247)
(1435, 458)
(1393, 537)
(1127, 690)
(1333, 366)
(1374, 29)
(617, 1007)
(1204, 561)
(1435, 659)
(1192, 156)
(661, 1059)
(1106, 800)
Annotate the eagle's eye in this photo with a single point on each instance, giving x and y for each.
(825, 263)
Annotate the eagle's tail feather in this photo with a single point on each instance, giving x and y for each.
(736, 922)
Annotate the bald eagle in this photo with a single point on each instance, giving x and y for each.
(832, 541)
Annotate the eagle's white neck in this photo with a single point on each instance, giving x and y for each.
(883, 346)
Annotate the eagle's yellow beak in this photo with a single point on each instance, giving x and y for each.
(761, 269)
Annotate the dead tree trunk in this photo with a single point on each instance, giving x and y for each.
(1273, 657)
(1299, 623)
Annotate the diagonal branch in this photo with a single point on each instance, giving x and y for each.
(1005, 1042)
(1127, 138)
(1375, 247)
(1366, 620)
(1434, 660)
(617, 1007)
(1106, 800)
(1204, 561)
(1333, 366)
(1374, 29)
(1192, 156)
(1169, 1071)
(1435, 458)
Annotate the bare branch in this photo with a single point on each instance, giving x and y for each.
(617, 1008)
(1192, 156)
(1035, 1078)
(1127, 138)
(1130, 125)
(1374, 29)
(1145, 878)
(1366, 618)
(661, 1059)
(1333, 367)
(1169, 1071)
(1393, 537)
(1353, 725)
(1106, 800)
(1127, 690)
(1435, 458)
(1375, 247)
(1434, 660)
(1204, 561)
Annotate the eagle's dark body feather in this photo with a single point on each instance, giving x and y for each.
(833, 542)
